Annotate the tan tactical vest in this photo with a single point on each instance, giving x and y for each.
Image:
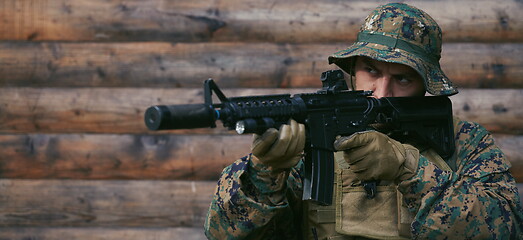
(353, 216)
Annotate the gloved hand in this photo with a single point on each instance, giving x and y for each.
(374, 156)
(281, 149)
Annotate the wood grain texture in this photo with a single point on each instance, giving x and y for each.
(107, 156)
(100, 233)
(512, 147)
(491, 110)
(120, 110)
(76, 161)
(115, 206)
(103, 110)
(232, 65)
(76, 203)
(241, 20)
(164, 157)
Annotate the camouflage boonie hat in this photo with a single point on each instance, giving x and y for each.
(400, 33)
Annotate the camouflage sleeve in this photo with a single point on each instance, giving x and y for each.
(478, 201)
(252, 203)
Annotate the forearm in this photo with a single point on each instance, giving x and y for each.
(248, 201)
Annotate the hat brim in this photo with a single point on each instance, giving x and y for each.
(436, 82)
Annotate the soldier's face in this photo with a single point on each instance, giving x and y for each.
(387, 79)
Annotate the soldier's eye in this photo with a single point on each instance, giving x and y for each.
(403, 80)
(371, 70)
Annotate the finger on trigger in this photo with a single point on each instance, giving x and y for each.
(355, 140)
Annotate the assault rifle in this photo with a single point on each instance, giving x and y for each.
(334, 110)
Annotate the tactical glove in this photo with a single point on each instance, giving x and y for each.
(279, 150)
(374, 156)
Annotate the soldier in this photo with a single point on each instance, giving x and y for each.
(471, 195)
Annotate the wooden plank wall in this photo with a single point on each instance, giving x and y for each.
(76, 160)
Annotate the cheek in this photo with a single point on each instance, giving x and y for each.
(419, 89)
(362, 81)
(410, 91)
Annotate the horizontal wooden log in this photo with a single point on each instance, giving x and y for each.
(120, 110)
(181, 157)
(232, 65)
(43, 208)
(497, 110)
(106, 156)
(103, 110)
(72, 203)
(100, 233)
(240, 20)
(512, 148)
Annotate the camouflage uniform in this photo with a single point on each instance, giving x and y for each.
(478, 200)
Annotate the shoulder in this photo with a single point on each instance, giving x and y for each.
(477, 151)
(469, 129)
(472, 135)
